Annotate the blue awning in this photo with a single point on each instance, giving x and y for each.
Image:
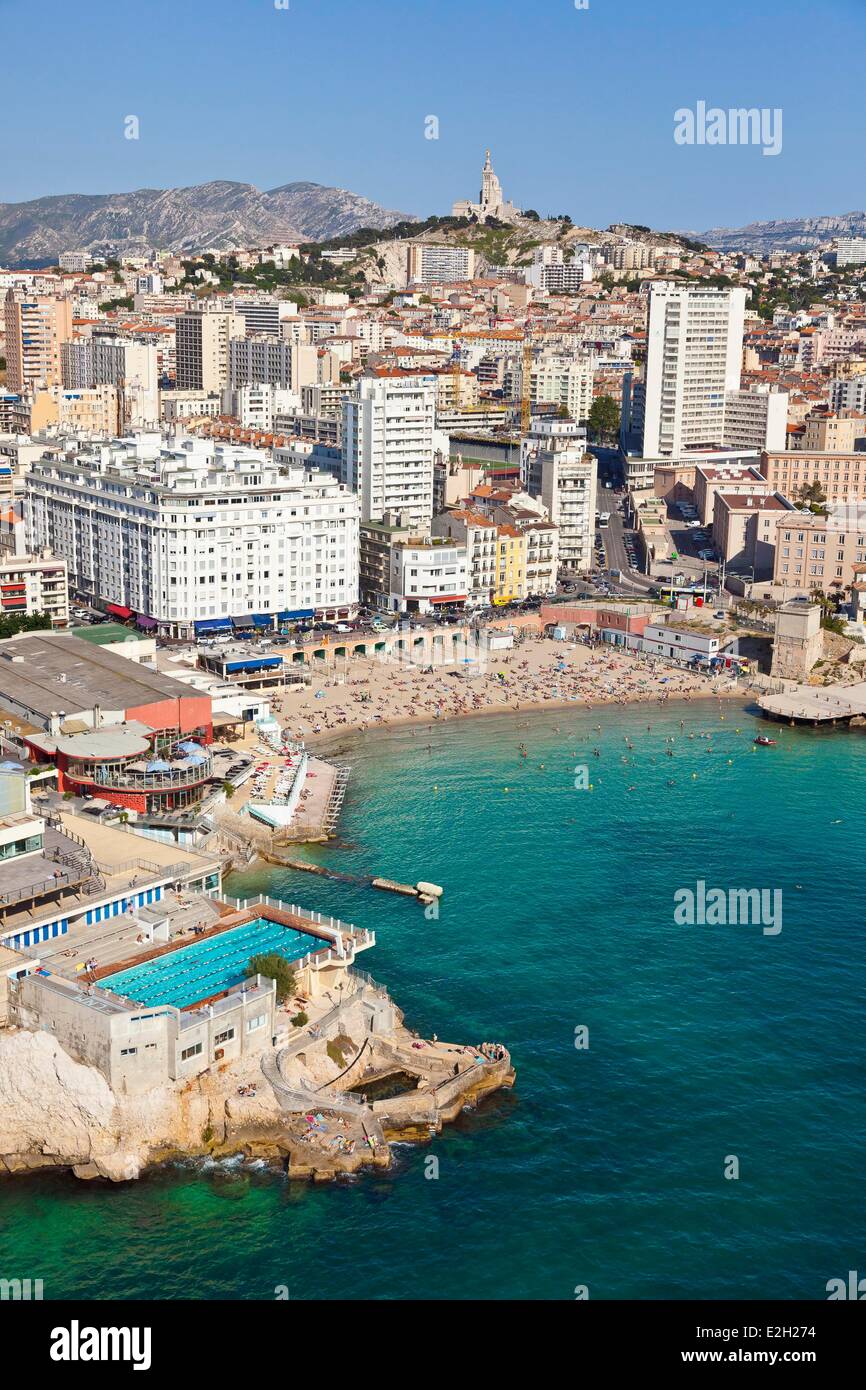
(263, 620)
(291, 615)
(212, 625)
(189, 747)
(254, 663)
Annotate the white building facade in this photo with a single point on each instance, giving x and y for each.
(187, 535)
(694, 357)
(388, 446)
(756, 419)
(559, 471)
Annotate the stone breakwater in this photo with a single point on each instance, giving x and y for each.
(56, 1113)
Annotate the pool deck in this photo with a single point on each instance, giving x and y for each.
(230, 918)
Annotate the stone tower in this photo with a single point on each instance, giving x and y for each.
(491, 189)
(798, 641)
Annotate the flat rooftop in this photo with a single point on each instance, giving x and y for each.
(49, 672)
(114, 848)
(733, 473)
(29, 890)
(27, 876)
(117, 741)
(742, 503)
(100, 633)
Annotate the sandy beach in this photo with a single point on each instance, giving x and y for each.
(538, 673)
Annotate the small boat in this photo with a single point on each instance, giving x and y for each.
(765, 742)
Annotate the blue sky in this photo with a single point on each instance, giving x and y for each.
(577, 105)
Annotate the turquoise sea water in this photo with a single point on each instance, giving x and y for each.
(605, 1166)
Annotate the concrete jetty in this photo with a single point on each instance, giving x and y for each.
(809, 704)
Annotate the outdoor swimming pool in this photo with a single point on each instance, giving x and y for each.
(201, 970)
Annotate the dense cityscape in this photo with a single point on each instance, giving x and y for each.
(456, 596)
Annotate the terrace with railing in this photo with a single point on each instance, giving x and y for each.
(60, 868)
(346, 939)
(159, 775)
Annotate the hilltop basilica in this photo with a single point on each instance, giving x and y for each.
(491, 202)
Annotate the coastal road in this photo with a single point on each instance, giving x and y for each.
(616, 556)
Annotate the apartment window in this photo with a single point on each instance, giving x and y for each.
(258, 1021)
(225, 1037)
(128, 1051)
(194, 1051)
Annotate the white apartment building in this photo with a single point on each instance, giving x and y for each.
(694, 356)
(756, 419)
(849, 395)
(75, 261)
(558, 471)
(559, 380)
(427, 575)
(851, 251)
(555, 273)
(190, 533)
(426, 264)
(257, 407)
(203, 349)
(190, 405)
(150, 282)
(388, 445)
(477, 534)
(262, 314)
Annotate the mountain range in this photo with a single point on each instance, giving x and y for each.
(217, 214)
(798, 234)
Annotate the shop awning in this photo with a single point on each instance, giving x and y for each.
(118, 610)
(243, 622)
(212, 625)
(263, 620)
(147, 624)
(293, 615)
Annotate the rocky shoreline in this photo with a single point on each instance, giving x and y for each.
(58, 1114)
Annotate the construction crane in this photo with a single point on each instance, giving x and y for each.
(456, 383)
(526, 387)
